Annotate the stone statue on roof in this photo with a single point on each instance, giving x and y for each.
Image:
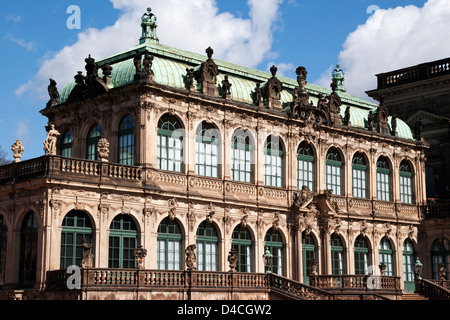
(149, 25)
(53, 91)
(338, 76)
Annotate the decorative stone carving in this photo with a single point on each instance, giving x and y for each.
(371, 121)
(211, 211)
(53, 93)
(335, 106)
(257, 96)
(50, 142)
(191, 258)
(173, 204)
(347, 117)
(189, 79)
(191, 218)
(394, 125)
(140, 253)
(233, 259)
(207, 75)
(137, 61)
(363, 228)
(276, 221)
(17, 149)
(303, 198)
(148, 62)
(314, 266)
(272, 91)
(245, 214)
(226, 88)
(338, 77)
(103, 149)
(149, 25)
(88, 257)
(382, 115)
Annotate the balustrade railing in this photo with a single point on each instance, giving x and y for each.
(356, 282)
(432, 289)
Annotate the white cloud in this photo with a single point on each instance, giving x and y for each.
(189, 25)
(13, 17)
(283, 69)
(29, 46)
(393, 39)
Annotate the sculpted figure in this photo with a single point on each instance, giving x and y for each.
(50, 142)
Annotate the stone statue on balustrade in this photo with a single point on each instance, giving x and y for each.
(88, 257)
(103, 149)
(50, 142)
(140, 253)
(17, 149)
(191, 258)
(233, 259)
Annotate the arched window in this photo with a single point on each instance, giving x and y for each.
(334, 171)
(94, 136)
(242, 242)
(28, 250)
(408, 266)
(169, 245)
(126, 141)
(122, 242)
(67, 145)
(242, 157)
(440, 254)
(383, 180)
(406, 185)
(362, 257)
(207, 151)
(337, 255)
(207, 247)
(3, 241)
(359, 174)
(305, 166)
(170, 144)
(274, 243)
(273, 162)
(386, 256)
(76, 228)
(309, 255)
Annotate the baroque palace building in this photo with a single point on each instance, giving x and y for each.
(165, 170)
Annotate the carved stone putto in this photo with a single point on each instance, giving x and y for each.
(140, 253)
(17, 149)
(103, 149)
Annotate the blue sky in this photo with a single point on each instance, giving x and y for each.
(36, 43)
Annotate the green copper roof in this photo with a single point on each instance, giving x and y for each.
(169, 67)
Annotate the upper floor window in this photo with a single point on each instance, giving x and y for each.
(93, 137)
(126, 141)
(207, 151)
(359, 175)
(170, 144)
(383, 180)
(406, 184)
(66, 145)
(242, 157)
(273, 162)
(305, 166)
(334, 171)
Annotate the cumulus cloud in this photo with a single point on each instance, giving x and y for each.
(392, 39)
(190, 25)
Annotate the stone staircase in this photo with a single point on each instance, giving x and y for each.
(413, 296)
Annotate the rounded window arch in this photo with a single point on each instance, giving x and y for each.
(383, 179)
(242, 242)
(440, 254)
(305, 166)
(359, 176)
(207, 247)
(273, 162)
(76, 229)
(207, 148)
(170, 144)
(3, 243)
(309, 249)
(334, 176)
(28, 250)
(408, 266)
(67, 144)
(242, 156)
(169, 245)
(362, 255)
(126, 140)
(406, 183)
(274, 243)
(93, 137)
(387, 256)
(338, 263)
(123, 239)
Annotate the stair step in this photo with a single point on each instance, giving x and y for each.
(413, 296)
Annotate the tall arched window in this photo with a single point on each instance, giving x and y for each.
(273, 162)
(337, 255)
(383, 180)
(359, 175)
(3, 241)
(334, 171)
(126, 141)
(362, 257)
(76, 228)
(93, 137)
(242, 242)
(170, 144)
(406, 185)
(386, 256)
(207, 247)
(274, 243)
(440, 253)
(169, 245)
(67, 144)
(207, 151)
(305, 166)
(28, 250)
(408, 266)
(309, 254)
(242, 157)
(123, 240)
